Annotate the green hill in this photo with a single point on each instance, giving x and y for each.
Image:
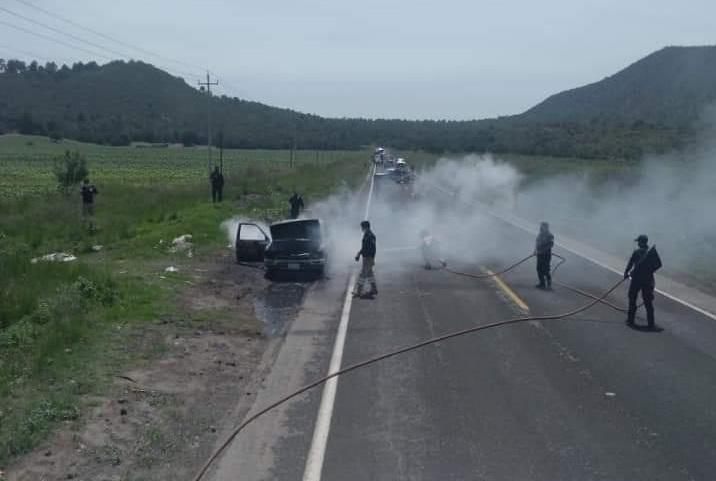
(650, 106)
(668, 87)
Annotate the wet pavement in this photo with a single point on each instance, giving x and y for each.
(279, 302)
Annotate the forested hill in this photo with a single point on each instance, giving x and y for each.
(641, 109)
(669, 87)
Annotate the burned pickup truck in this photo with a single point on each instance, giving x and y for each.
(293, 245)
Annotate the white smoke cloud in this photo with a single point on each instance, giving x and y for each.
(668, 198)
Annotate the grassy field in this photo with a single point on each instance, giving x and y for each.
(63, 326)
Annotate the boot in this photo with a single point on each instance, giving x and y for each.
(631, 313)
(549, 282)
(650, 318)
(373, 289)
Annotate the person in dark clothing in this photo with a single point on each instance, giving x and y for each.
(642, 264)
(543, 251)
(217, 185)
(367, 251)
(296, 202)
(88, 192)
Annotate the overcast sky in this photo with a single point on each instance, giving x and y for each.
(453, 59)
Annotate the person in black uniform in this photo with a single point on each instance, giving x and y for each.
(217, 185)
(543, 251)
(296, 202)
(88, 192)
(641, 269)
(367, 251)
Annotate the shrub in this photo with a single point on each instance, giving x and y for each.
(70, 170)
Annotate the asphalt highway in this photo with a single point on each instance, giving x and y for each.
(585, 398)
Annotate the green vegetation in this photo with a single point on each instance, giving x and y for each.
(65, 327)
(669, 87)
(653, 106)
(70, 170)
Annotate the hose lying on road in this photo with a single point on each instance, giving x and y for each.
(592, 296)
(388, 355)
(562, 260)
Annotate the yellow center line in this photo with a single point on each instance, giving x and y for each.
(508, 290)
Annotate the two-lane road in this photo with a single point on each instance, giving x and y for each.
(584, 398)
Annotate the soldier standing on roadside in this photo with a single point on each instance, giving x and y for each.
(641, 267)
(88, 191)
(543, 251)
(296, 202)
(217, 185)
(367, 251)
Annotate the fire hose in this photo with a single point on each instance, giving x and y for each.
(595, 300)
(562, 260)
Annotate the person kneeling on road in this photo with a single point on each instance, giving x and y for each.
(430, 249)
(543, 251)
(643, 262)
(367, 251)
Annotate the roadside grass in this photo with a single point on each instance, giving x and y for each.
(67, 328)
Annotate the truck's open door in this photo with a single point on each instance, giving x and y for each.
(251, 242)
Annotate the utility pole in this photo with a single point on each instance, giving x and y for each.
(208, 85)
(221, 151)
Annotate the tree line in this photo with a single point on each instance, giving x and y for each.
(121, 102)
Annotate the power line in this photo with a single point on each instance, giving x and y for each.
(80, 39)
(34, 56)
(174, 71)
(47, 37)
(105, 36)
(57, 30)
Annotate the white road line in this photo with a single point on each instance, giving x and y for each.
(370, 193)
(314, 462)
(317, 451)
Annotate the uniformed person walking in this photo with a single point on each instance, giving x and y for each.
(367, 251)
(217, 185)
(543, 251)
(643, 262)
(297, 206)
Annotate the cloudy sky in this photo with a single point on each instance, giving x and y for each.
(453, 59)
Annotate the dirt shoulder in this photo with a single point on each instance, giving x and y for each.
(162, 416)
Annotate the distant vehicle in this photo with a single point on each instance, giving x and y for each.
(379, 155)
(401, 173)
(294, 245)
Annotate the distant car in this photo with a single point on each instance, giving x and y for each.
(294, 245)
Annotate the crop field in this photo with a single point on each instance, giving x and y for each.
(26, 163)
